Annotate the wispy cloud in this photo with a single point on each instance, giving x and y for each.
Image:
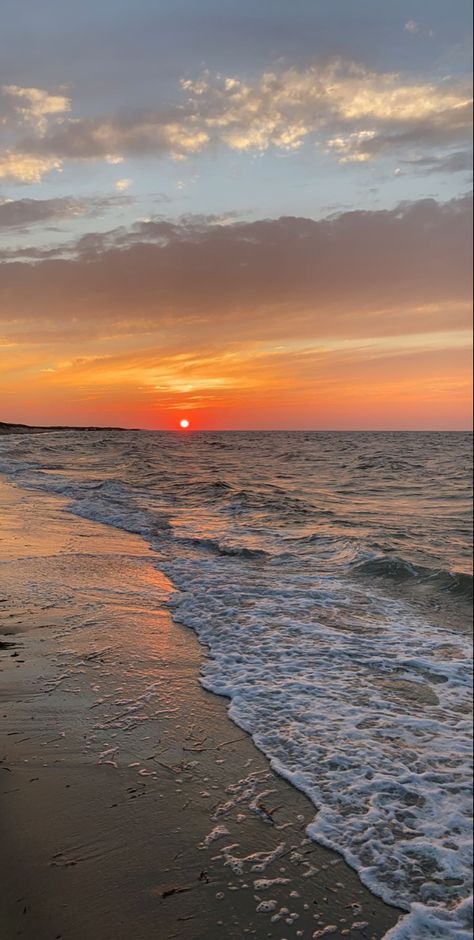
(122, 185)
(417, 29)
(458, 162)
(411, 26)
(24, 213)
(31, 106)
(284, 108)
(22, 167)
(344, 108)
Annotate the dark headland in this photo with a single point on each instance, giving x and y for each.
(8, 428)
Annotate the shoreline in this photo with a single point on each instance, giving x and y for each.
(132, 805)
(6, 428)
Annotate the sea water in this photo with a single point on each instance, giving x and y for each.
(329, 577)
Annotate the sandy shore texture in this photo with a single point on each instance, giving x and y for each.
(132, 808)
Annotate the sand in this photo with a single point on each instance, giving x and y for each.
(131, 806)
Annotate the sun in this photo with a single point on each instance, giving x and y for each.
(184, 424)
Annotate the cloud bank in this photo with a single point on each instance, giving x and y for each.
(365, 273)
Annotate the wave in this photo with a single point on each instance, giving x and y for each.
(219, 487)
(276, 502)
(402, 571)
(219, 548)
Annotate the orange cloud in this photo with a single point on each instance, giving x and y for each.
(356, 321)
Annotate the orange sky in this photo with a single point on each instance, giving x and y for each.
(388, 383)
(252, 221)
(318, 390)
(358, 322)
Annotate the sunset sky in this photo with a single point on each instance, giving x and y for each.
(246, 213)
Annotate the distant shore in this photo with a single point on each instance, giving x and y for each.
(6, 428)
(18, 428)
(130, 804)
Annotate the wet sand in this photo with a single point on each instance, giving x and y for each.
(131, 806)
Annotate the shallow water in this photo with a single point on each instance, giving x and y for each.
(329, 575)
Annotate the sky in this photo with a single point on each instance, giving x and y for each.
(246, 214)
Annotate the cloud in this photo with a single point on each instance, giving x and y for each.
(110, 138)
(17, 166)
(284, 108)
(458, 162)
(354, 148)
(28, 109)
(31, 105)
(23, 213)
(344, 108)
(198, 282)
(416, 29)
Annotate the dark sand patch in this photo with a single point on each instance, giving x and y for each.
(116, 766)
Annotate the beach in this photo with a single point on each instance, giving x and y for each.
(131, 804)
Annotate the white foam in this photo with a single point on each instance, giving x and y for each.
(217, 833)
(265, 907)
(435, 922)
(369, 718)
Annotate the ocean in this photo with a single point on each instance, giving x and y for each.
(329, 579)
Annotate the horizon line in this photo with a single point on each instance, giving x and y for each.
(191, 430)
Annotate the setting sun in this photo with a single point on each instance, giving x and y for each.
(184, 424)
